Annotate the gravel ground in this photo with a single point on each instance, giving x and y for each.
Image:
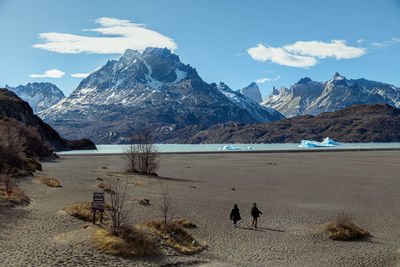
(293, 190)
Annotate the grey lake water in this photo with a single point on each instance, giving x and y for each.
(117, 149)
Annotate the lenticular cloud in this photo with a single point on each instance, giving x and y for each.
(305, 54)
(119, 35)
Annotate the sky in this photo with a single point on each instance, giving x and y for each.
(274, 43)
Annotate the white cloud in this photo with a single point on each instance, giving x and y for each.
(54, 73)
(336, 48)
(277, 78)
(360, 41)
(381, 45)
(80, 75)
(385, 43)
(304, 54)
(280, 56)
(120, 35)
(263, 80)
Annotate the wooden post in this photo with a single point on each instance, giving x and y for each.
(101, 217)
(94, 217)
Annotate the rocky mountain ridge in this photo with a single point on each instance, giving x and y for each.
(40, 96)
(358, 123)
(311, 97)
(149, 89)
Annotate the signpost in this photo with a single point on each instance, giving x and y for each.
(98, 205)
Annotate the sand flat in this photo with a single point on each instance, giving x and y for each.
(293, 190)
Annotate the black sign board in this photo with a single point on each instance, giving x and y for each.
(98, 197)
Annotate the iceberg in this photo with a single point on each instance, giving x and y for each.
(235, 148)
(327, 142)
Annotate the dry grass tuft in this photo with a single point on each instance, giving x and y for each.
(52, 182)
(344, 229)
(185, 223)
(83, 211)
(106, 188)
(130, 242)
(175, 236)
(18, 197)
(140, 183)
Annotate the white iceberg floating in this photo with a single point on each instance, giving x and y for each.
(235, 148)
(327, 142)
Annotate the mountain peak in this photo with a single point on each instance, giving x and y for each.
(252, 91)
(337, 76)
(304, 80)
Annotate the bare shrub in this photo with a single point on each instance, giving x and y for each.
(344, 218)
(141, 155)
(165, 205)
(117, 211)
(17, 197)
(18, 141)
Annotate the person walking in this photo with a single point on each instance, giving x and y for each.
(235, 215)
(255, 212)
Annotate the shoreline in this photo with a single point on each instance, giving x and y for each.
(244, 151)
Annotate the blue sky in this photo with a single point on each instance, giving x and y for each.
(237, 42)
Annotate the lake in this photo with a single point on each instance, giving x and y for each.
(117, 149)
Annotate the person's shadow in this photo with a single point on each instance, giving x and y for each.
(262, 229)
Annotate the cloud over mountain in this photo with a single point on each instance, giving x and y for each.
(303, 54)
(119, 36)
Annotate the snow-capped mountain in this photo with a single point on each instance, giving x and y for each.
(149, 89)
(252, 91)
(311, 97)
(39, 95)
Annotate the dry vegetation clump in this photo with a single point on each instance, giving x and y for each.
(99, 179)
(140, 183)
(130, 242)
(175, 236)
(185, 223)
(144, 202)
(344, 229)
(106, 188)
(83, 211)
(18, 197)
(52, 182)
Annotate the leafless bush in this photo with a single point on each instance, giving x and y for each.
(344, 218)
(165, 205)
(10, 147)
(117, 211)
(141, 155)
(18, 141)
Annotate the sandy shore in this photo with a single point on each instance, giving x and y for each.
(294, 190)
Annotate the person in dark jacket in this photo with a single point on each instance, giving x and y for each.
(255, 212)
(235, 215)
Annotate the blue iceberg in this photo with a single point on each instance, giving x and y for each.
(327, 142)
